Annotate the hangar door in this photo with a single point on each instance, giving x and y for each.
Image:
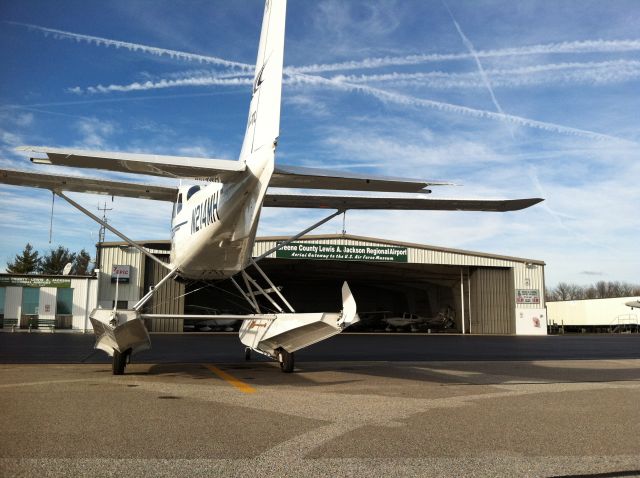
(492, 301)
(168, 299)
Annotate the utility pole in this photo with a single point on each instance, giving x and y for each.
(101, 234)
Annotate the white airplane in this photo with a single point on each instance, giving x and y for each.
(216, 212)
(445, 319)
(634, 304)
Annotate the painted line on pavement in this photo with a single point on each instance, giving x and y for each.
(239, 384)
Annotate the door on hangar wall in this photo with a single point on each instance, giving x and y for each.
(492, 301)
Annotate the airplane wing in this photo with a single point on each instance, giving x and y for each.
(285, 176)
(149, 164)
(403, 203)
(56, 182)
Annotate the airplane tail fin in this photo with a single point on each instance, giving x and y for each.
(263, 124)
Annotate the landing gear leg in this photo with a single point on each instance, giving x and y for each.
(247, 353)
(120, 361)
(286, 361)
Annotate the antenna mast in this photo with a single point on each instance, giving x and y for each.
(101, 234)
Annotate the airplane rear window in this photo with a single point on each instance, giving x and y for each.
(192, 191)
(179, 204)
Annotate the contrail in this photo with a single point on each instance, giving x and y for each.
(375, 92)
(567, 47)
(588, 46)
(163, 84)
(590, 72)
(483, 75)
(137, 47)
(596, 73)
(108, 100)
(449, 107)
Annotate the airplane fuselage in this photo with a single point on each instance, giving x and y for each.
(214, 224)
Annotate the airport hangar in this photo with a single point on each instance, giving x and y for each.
(488, 294)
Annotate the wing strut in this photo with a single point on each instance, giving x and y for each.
(152, 289)
(112, 229)
(298, 236)
(253, 288)
(272, 285)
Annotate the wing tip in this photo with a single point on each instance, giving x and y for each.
(520, 204)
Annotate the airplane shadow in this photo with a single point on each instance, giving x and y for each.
(256, 374)
(321, 374)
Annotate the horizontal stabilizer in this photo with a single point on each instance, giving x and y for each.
(403, 203)
(57, 182)
(150, 164)
(312, 178)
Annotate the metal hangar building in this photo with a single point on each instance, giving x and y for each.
(481, 293)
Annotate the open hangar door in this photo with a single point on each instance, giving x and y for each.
(391, 297)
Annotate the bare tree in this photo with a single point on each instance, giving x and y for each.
(599, 290)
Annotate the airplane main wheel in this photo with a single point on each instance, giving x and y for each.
(119, 361)
(286, 361)
(247, 353)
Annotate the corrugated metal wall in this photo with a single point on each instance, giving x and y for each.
(492, 301)
(416, 254)
(168, 299)
(529, 276)
(121, 256)
(85, 299)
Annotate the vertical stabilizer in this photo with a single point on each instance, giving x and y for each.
(263, 124)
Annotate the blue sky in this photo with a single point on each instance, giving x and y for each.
(510, 99)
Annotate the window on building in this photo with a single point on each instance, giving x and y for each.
(30, 300)
(64, 301)
(122, 304)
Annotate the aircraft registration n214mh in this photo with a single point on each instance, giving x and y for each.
(216, 212)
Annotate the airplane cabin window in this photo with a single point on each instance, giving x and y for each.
(192, 191)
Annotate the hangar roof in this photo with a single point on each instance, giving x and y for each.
(348, 238)
(418, 253)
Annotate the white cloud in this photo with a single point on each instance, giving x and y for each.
(94, 132)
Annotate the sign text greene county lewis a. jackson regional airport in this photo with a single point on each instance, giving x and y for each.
(318, 251)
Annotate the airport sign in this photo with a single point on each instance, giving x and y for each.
(342, 252)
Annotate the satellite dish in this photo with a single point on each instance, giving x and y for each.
(67, 269)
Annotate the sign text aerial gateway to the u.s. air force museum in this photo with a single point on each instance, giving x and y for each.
(342, 252)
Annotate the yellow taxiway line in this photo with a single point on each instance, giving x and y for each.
(239, 384)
